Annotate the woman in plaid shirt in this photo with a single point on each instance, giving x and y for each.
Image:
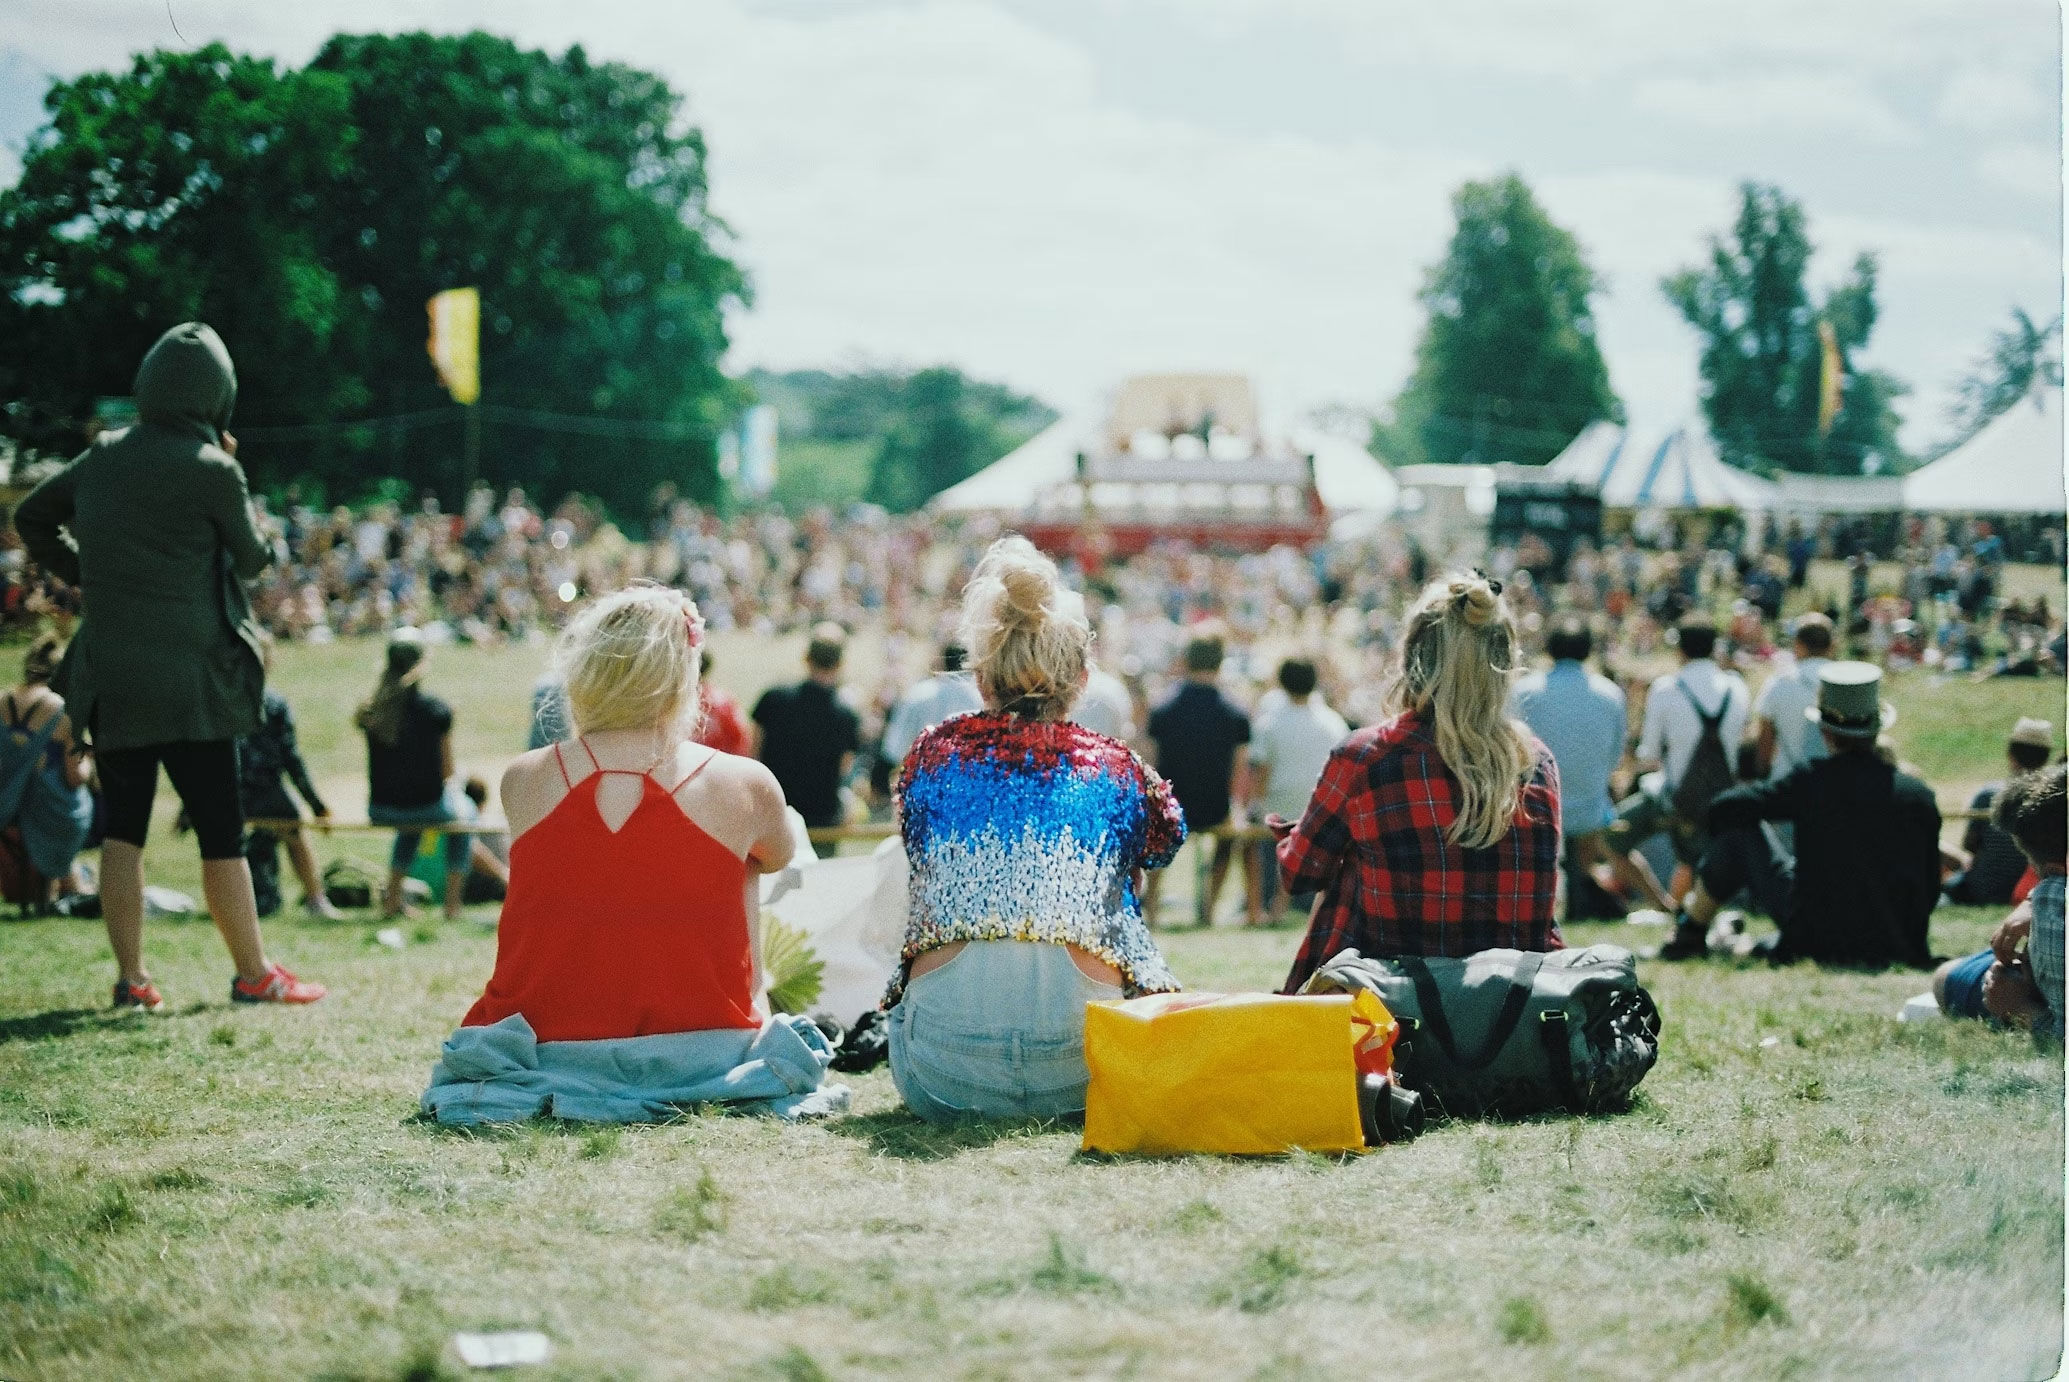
(1435, 832)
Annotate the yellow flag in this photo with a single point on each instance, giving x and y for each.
(1830, 376)
(455, 343)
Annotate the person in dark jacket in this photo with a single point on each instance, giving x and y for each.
(266, 762)
(154, 526)
(1860, 887)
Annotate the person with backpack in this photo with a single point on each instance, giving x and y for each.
(44, 805)
(1694, 720)
(154, 525)
(1860, 886)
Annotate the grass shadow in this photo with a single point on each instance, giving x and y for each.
(899, 1134)
(64, 1022)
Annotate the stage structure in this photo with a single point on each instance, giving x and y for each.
(1180, 457)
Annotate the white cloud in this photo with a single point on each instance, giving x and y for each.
(1993, 98)
(2033, 170)
(1792, 101)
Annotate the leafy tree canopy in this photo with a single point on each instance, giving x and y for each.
(309, 214)
(1508, 368)
(920, 431)
(2020, 357)
(1762, 360)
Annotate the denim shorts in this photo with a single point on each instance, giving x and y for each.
(1964, 985)
(452, 805)
(997, 1032)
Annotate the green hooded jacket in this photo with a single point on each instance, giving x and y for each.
(154, 526)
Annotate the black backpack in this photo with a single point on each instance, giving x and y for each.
(1709, 768)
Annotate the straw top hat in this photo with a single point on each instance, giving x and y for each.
(1850, 700)
(2040, 734)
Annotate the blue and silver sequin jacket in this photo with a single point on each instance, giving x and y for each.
(1030, 830)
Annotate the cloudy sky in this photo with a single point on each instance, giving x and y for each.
(1060, 192)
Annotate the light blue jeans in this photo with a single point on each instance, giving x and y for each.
(997, 1032)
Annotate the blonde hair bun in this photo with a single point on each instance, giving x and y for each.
(629, 661)
(1026, 631)
(1475, 598)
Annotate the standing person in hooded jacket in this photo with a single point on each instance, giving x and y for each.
(154, 526)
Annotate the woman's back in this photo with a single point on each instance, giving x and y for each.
(1021, 829)
(626, 916)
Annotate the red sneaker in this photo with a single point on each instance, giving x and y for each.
(278, 986)
(143, 994)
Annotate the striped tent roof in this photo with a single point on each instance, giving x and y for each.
(1680, 470)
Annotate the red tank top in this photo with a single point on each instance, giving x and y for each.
(621, 933)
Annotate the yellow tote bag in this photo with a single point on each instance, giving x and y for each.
(1238, 1073)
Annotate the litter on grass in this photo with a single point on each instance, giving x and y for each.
(390, 936)
(516, 1349)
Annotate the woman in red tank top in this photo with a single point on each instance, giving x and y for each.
(636, 853)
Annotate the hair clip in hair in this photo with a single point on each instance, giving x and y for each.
(693, 627)
(1493, 585)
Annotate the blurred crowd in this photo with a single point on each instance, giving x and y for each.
(505, 568)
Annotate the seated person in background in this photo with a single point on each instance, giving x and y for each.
(1581, 718)
(409, 769)
(488, 872)
(2022, 989)
(1861, 885)
(1995, 859)
(1435, 832)
(54, 810)
(628, 978)
(1028, 836)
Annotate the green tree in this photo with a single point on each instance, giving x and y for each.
(1508, 367)
(312, 213)
(1762, 361)
(2020, 356)
(188, 186)
(937, 428)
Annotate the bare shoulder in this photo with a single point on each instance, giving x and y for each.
(531, 786)
(748, 778)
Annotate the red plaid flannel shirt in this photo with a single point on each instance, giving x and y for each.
(1372, 843)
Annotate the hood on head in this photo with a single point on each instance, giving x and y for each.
(187, 381)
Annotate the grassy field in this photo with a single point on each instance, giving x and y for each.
(1805, 1188)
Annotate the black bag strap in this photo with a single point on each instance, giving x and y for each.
(1711, 723)
(1431, 1001)
(1552, 1029)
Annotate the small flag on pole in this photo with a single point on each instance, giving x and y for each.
(455, 343)
(1831, 374)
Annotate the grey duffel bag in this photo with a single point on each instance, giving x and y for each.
(1511, 1032)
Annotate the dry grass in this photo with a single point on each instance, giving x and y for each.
(1805, 1188)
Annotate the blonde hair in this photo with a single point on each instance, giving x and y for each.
(1026, 631)
(630, 661)
(1457, 659)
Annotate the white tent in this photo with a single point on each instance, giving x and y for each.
(1347, 476)
(1681, 470)
(2014, 465)
(1010, 483)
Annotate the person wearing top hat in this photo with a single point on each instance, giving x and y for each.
(1995, 861)
(1860, 887)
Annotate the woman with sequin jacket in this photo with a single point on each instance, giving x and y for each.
(1027, 836)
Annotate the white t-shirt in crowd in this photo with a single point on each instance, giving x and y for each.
(1672, 726)
(1294, 741)
(1787, 694)
(1104, 708)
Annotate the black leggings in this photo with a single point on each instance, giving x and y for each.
(203, 772)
